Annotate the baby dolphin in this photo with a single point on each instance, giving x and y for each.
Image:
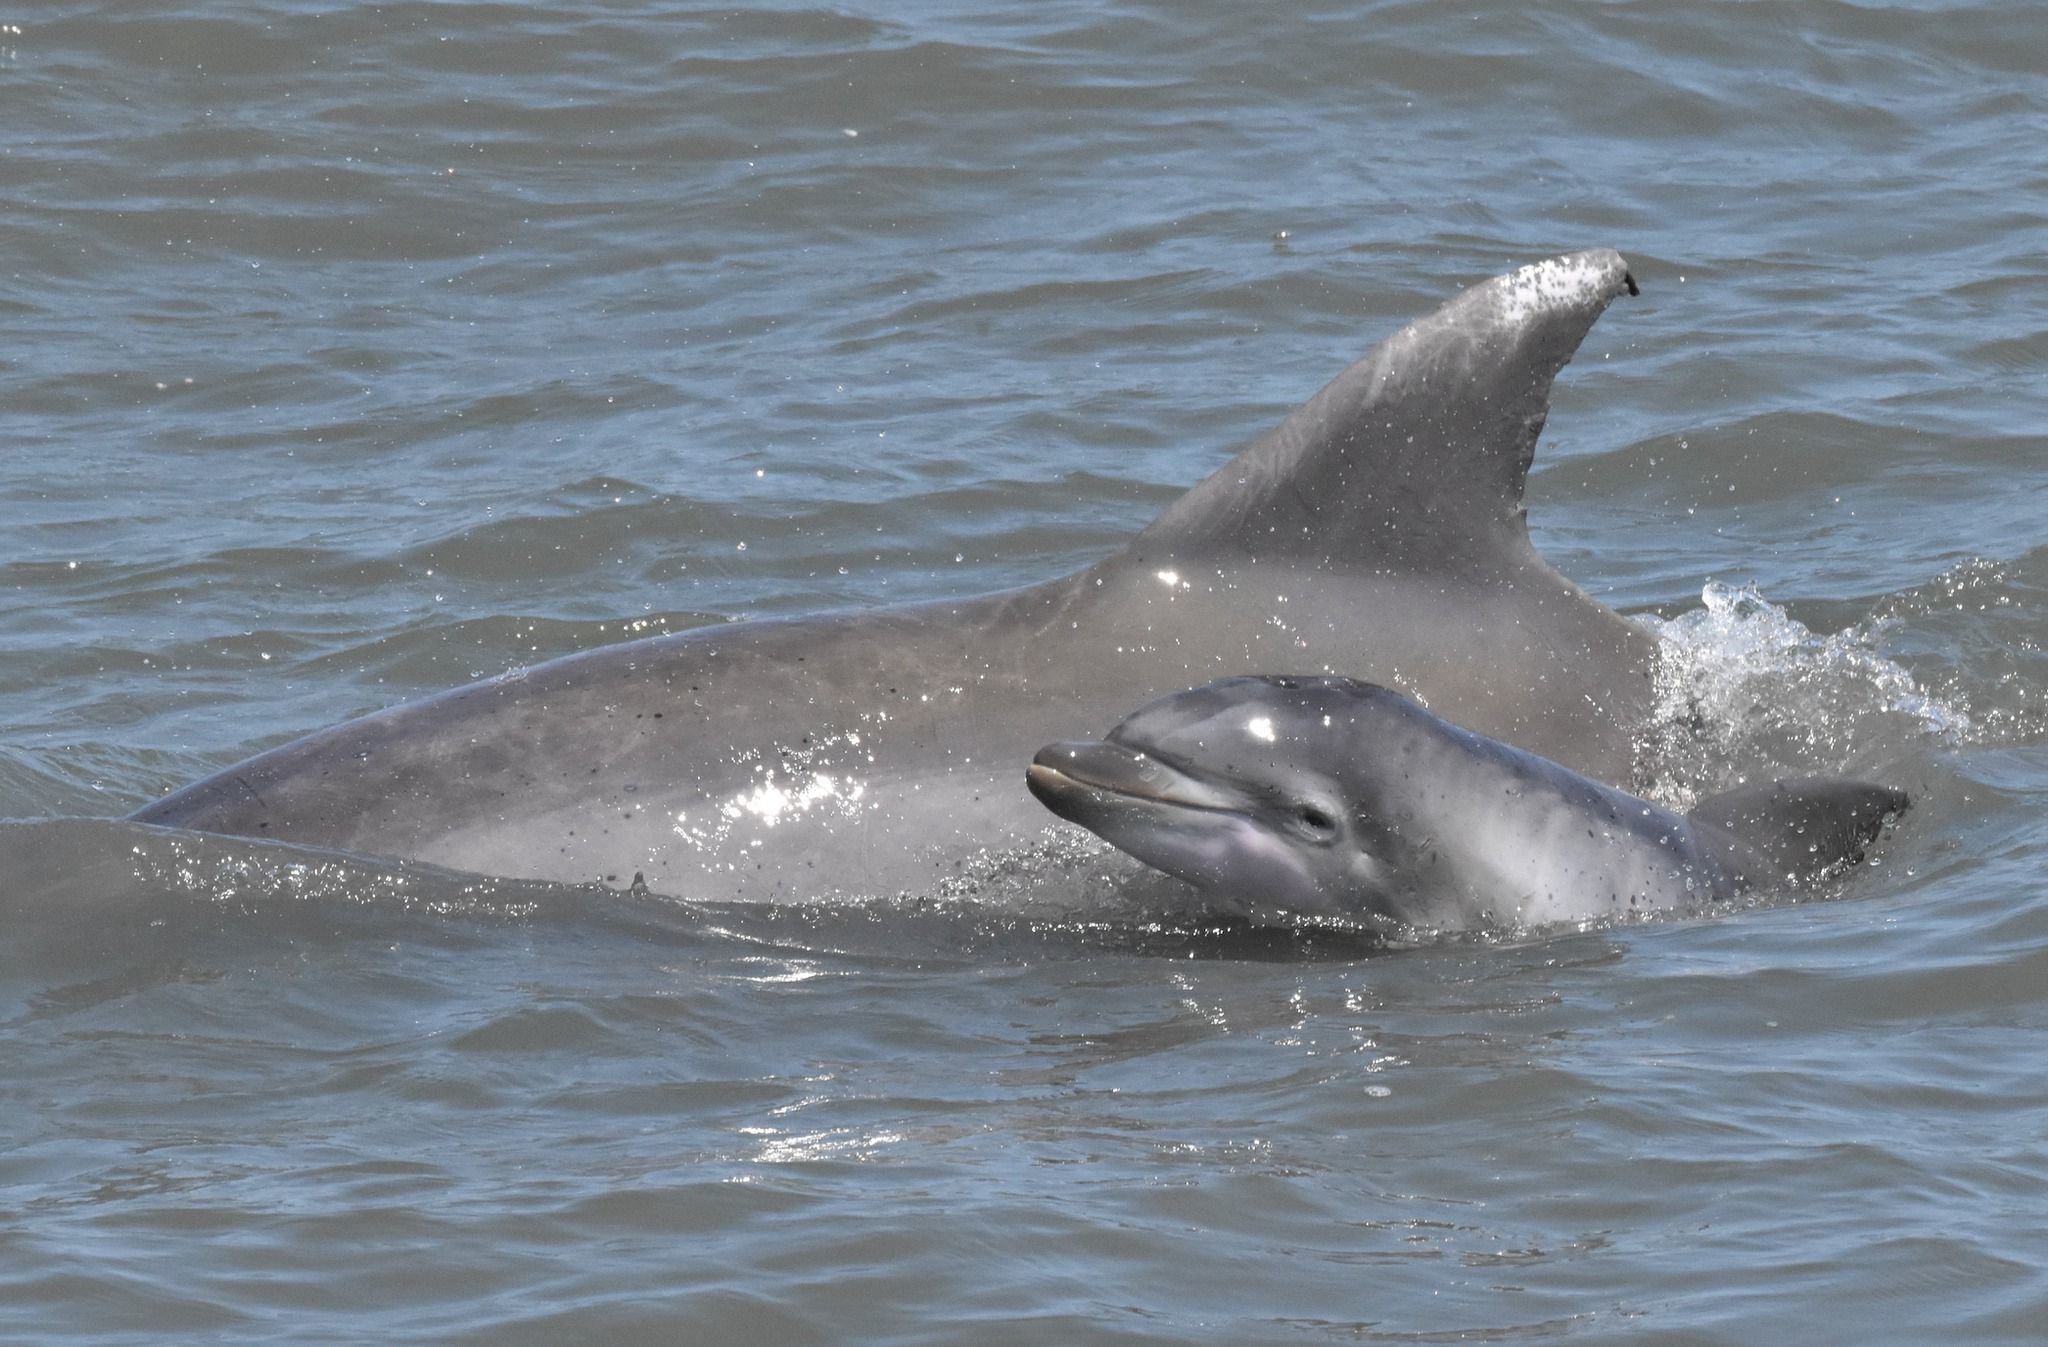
(1331, 796)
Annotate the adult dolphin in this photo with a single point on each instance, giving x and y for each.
(1328, 796)
(1378, 531)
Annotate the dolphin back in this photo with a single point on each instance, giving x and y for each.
(1388, 509)
(1801, 829)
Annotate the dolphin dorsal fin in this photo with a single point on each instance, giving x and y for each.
(1805, 827)
(1416, 453)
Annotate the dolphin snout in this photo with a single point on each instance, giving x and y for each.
(1070, 777)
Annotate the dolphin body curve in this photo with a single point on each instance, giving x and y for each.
(1377, 531)
(1332, 797)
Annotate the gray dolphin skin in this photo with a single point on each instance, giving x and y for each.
(1328, 796)
(1377, 531)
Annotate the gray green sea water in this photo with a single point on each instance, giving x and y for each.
(350, 352)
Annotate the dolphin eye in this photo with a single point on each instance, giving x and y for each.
(1315, 819)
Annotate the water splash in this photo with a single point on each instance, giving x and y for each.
(1746, 692)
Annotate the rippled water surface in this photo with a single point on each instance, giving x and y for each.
(352, 352)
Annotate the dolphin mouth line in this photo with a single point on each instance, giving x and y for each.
(1047, 776)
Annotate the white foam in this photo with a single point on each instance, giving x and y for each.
(1746, 692)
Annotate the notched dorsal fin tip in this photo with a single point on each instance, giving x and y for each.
(1418, 451)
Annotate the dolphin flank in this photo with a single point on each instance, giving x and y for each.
(1329, 796)
(1377, 531)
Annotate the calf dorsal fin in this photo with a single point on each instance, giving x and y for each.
(1805, 827)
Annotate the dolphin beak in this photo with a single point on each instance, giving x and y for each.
(1076, 780)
